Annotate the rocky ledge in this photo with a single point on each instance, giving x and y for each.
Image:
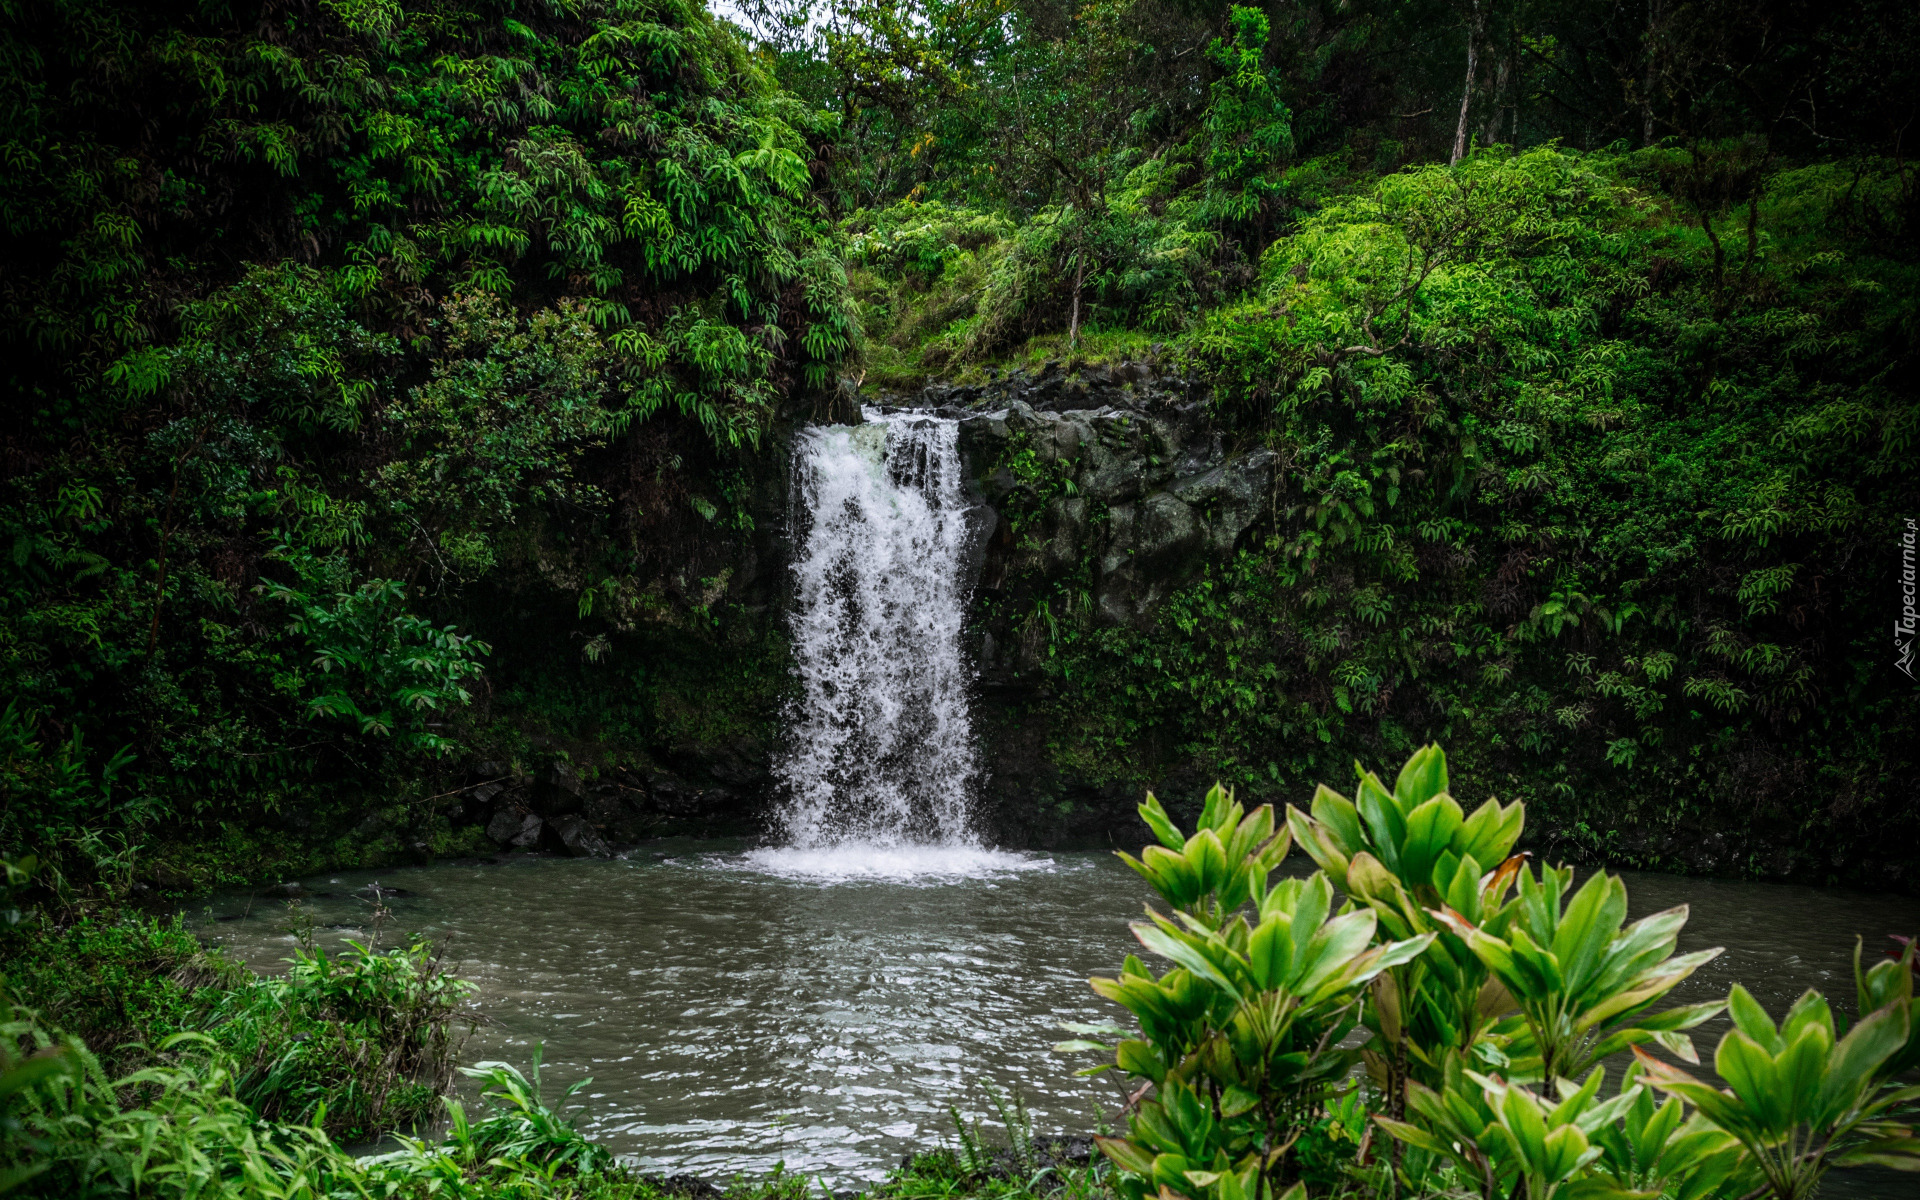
(1114, 471)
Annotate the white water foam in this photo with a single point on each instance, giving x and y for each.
(880, 761)
(854, 862)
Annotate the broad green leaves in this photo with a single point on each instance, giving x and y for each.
(1585, 980)
(1223, 865)
(1239, 1033)
(1799, 1099)
(1455, 970)
(1568, 1143)
(1417, 831)
(1403, 853)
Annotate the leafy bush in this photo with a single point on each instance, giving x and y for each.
(521, 1126)
(358, 1043)
(1495, 1084)
(64, 1132)
(381, 667)
(1800, 1100)
(1240, 1035)
(113, 981)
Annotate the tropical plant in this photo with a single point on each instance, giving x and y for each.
(521, 1126)
(65, 1134)
(1800, 1100)
(359, 1042)
(380, 667)
(1585, 981)
(1239, 1045)
(1889, 983)
(1405, 853)
(1656, 1147)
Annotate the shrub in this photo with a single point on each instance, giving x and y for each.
(1488, 1016)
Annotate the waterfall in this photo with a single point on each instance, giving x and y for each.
(881, 752)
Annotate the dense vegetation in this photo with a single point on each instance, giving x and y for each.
(400, 385)
(330, 325)
(1592, 386)
(1619, 525)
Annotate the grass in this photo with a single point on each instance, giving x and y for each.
(358, 1043)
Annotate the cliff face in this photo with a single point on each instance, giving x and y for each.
(1112, 514)
(1109, 491)
(1108, 487)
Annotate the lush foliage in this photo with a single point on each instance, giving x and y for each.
(355, 1043)
(318, 320)
(395, 380)
(1238, 1037)
(1551, 484)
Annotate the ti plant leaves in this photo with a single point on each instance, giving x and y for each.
(1240, 1036)
(1584, 979)
(1403, 853)
(1209, 875)
(1799, 1100)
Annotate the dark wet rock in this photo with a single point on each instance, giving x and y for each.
(505, 825)
(382, 892)
(286, 891)
(561, 790)
(484, 795)
(672, 795)
(838, 405)
(1126, 439)
(579, 839)
(607, 807)
(514, 827)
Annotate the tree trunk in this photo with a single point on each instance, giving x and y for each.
(1656, 16)
(1719, 254)
(1491, 133)
(1475, 21)
(1073, 324)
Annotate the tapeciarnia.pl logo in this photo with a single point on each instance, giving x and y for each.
(1903, 626)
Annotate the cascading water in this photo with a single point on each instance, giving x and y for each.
(881, 761)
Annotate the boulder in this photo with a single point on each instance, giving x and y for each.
(514, 827)
(604, 807)
(529, 835)
(1152, 548)
(672, 795)
(1067, 518)
(560, 789)
(580, 839)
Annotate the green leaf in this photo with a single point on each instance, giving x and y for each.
(1422, 778)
